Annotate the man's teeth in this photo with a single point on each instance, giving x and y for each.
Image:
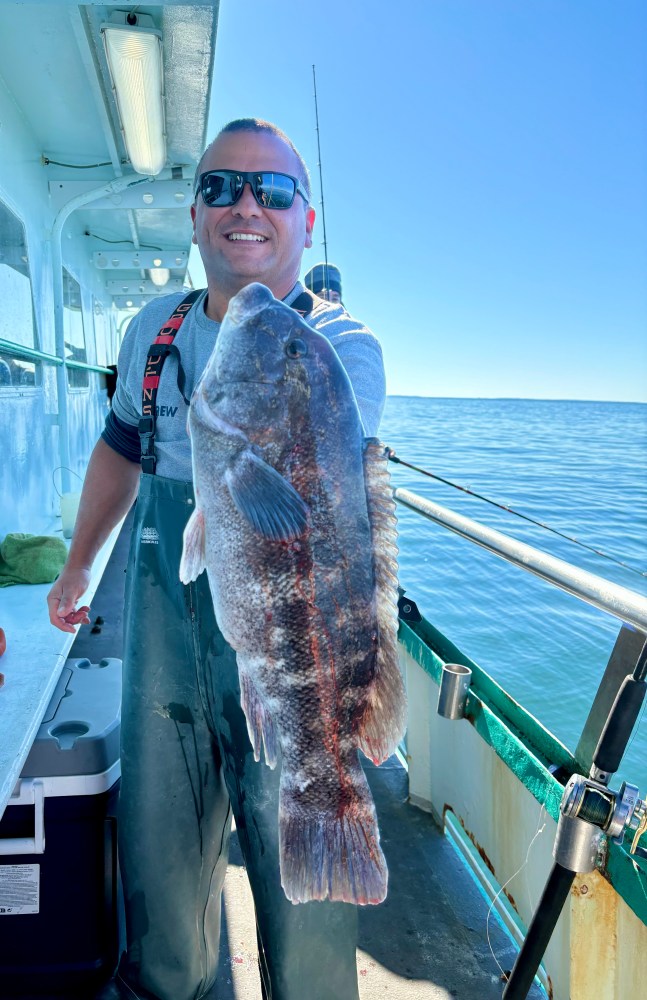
(246, 236)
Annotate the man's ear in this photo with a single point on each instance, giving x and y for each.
(193, 239)
(310, 221)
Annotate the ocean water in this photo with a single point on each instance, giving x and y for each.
(580, 467)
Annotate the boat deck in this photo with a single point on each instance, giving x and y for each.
(427, 941)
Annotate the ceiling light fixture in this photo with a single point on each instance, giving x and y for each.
(135, 61)
(160, 276)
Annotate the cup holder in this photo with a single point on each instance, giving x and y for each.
(68, 733)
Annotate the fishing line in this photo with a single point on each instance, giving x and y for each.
(391, 455)
(323, 212)
(60, 468)
(540, 829)
(636, 729)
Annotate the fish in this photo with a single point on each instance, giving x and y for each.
(294, 521)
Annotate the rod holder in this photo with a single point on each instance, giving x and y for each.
(454, 686)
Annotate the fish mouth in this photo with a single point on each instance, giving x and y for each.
(249, 301)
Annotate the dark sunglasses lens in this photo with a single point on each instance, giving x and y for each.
(274, 190)
(220, 188)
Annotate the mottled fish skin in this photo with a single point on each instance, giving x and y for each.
(295, 523)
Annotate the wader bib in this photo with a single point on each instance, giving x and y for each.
(187, 763)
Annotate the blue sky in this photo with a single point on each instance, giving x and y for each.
(485, 179)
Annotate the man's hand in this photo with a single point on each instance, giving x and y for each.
(109, 489)
(62, 598)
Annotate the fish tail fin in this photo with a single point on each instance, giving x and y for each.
(332, 855)
(385, 713)
(193, 548)
(260, 725)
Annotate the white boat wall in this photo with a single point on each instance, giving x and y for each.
(85, 240)
(78, 242)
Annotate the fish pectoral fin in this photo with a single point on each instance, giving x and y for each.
(260, 725)
(266, 499)
(193, 550)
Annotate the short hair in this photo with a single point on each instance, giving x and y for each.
(260, 125)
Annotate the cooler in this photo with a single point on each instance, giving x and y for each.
(59, 917)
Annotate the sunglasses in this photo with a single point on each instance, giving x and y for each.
(221, 188)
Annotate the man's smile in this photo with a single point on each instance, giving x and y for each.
(251, 237)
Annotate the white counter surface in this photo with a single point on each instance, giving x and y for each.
(36, 652)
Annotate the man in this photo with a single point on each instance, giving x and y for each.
(185, 751)
(325, 281)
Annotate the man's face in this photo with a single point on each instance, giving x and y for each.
(273, 257)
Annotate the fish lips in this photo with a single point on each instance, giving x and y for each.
(251, 300)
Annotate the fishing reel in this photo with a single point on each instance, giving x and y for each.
(588, 812)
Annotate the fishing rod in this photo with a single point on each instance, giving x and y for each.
(323, 212)
(590, 811)
(569, 538)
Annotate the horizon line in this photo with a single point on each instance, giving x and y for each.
(523, 399)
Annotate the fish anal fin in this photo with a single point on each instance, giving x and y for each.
(265, 498)
(260, 726)
(193, 548)
(384, 719)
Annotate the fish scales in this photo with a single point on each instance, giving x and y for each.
(295, 524)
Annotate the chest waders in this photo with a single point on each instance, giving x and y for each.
(187, 763)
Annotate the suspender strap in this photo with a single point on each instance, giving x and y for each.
(158, 352)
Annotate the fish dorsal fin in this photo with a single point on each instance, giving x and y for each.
(384, 720)
(265, 498)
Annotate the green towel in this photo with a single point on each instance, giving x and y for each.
(31, 558)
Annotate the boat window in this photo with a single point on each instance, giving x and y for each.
(104, 335)
(18, 326)
(77, 378)
(18, 371)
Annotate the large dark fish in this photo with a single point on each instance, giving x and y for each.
(295, 523)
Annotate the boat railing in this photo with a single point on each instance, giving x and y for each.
(619, 601)
(11, 347)
(493, 831)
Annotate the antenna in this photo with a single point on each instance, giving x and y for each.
(323, 213)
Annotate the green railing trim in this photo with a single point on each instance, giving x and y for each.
(8, 347)
(544, 744)
(526, 748)
(89, 368)
(628, 876)
(29, 352)
(510, 746)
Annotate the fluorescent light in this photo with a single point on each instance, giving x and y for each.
(159, 276)
(135, 63)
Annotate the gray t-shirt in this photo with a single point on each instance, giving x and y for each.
(357, 348)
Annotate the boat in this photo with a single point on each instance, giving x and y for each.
(94, 223)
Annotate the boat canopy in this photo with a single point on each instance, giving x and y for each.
(116, 99)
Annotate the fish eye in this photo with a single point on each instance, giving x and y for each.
(296, 348)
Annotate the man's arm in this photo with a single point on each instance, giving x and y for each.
(361, 355)
(109, 490)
